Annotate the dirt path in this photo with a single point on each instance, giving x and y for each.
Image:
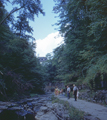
(93, 109)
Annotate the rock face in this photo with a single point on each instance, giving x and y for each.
(37, 108)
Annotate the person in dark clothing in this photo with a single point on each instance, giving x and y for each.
(75, 89)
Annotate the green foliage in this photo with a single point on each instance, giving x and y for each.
(49, 69)
(22, 27)
(83, 26)
(100, 66)
(55, 100)
(21, 68)
(20, 71)
(76, 114)
(26, 7)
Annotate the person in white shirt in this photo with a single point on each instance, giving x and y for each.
(75, 89)
(77, 94)
(68, 92)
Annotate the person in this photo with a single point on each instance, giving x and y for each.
(64, 92)
(75, 89)
(56, 90)
(68, 92)
(77, 94)
(61, 91)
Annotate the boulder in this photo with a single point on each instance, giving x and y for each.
(3, 107)
(16, 108)
(38, 115)
(48, 116)
(44, 109)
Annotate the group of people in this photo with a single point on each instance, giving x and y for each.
(58, 91)
(75, 92)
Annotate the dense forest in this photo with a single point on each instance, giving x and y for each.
(81, 59)
(83, 56)
(20, 70)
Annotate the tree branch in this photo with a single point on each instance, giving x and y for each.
(12, 11)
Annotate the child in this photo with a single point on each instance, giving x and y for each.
(77, 94)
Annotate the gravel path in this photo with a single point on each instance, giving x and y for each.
(93, 109)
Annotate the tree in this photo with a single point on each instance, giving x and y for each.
(20, 71)
(21, 27)
(73, 27)
(49, 69)
(98, 27)
(82, 24)
(30, 8)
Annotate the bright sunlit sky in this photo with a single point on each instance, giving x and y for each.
(45, 34)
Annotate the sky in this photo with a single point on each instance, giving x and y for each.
(43, 24)
(48, 44)
(46, 34)
(45, 30)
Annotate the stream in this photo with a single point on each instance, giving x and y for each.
(25, 109)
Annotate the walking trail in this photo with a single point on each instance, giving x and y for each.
(96, 110)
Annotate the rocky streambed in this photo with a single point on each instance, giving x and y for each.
(36, 108)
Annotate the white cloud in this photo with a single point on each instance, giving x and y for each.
(48, 44)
